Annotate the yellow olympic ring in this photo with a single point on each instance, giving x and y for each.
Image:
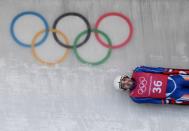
(49, 63)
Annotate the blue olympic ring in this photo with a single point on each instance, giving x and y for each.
(28, 13)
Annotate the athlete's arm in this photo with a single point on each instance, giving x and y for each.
(151, 69)
(148, 100)
(167, 71)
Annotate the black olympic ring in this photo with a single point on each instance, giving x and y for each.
(77, 15)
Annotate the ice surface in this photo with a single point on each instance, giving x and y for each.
(76, 97)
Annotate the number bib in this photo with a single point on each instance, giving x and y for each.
(149, 85)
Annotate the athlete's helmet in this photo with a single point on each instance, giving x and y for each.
(117, 81)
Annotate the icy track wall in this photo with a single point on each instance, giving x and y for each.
(72, 96)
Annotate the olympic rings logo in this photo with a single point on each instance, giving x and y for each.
(76, 44)
(142, 85)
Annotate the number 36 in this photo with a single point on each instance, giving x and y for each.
(157, 87)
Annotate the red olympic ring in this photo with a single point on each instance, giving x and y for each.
(126, 41)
